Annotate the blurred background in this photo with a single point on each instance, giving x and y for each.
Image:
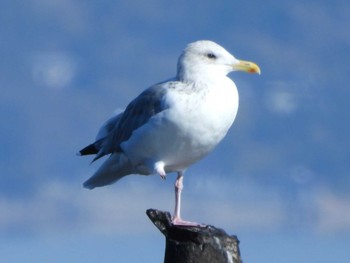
(279, 181)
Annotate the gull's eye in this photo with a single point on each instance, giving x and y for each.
(211, 56)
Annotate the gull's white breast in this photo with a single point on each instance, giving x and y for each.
(197, 119)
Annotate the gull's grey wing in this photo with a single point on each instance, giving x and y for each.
(136, 114)
(139, 111)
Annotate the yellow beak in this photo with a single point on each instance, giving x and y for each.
(247, 66)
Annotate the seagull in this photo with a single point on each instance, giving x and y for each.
(172, 124)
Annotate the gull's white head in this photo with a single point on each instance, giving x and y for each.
(206, 58)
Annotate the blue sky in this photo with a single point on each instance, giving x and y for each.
(279, 180)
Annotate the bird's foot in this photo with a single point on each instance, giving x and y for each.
(179, 222)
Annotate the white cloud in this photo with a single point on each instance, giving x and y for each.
(119, 209)
(239, 204)
(322, 210)
(301, 174)
(54, 70)
(281, 101)
(61, 207)
(333, 212)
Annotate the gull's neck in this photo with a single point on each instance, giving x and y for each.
(200, 74)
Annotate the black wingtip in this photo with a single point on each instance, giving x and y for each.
(88, 150)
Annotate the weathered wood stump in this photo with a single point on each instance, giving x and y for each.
(195, 244)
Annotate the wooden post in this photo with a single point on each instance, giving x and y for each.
(188, 244)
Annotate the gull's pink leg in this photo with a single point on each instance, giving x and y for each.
(178, 189)
(176, 220)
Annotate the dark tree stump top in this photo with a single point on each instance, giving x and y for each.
(204, 244)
